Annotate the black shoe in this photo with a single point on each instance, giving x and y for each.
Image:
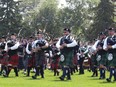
(102, 78)
(68, 78)
(114, 80)
(17, 75)
(61, 78)
(57, 73)
(0, 73)
(54, 74)
(5, 75)
(92, 76)
(34, 77)
(108, 80)
(42, 76)
(27, 75)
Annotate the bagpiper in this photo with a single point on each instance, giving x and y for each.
(101, 55)
(39, 47)
(12, 49)
(3, 55)
(66, 45)
(110, 47)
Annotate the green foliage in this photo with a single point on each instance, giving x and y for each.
(46, 19)
(10, 18)
(86, 18)
(79, 16)
(104, 18)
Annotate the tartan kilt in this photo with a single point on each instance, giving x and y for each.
(13, 60)
(68, 58)
(4, 60)
(55, 63)
(93, 60)
(39, 58)
(103, 60)
(113, 61)
(31, 61)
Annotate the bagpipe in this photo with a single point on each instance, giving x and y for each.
(111, 40)
(55, 50)
(66, 40)
(40, 43)
(10, 43)
(100, 44)
(2, 46)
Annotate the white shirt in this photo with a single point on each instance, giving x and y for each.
(73, 44)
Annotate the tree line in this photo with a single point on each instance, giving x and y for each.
(86, 18)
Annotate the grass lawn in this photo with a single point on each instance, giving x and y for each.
(51, 81)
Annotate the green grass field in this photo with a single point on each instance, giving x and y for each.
(51, 81)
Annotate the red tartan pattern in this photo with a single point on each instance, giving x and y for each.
(4, 60)
(14, 60)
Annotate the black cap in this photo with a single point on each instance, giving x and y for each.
(13, 34)
(67, 29)
(101, 33)
(3, 37)
(111, 29)
(31, 37)
(39, 32)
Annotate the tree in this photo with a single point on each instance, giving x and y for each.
(28, 10)
(10, 18)
(78, 16)
(103, 18)
(46, 19)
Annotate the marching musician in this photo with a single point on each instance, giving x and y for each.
(12, 49)
(101, 55)
(110, 47)
(66, 45)
(39, 47)
(3, 55)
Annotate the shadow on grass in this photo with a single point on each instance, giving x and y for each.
(8, 77)
(104, 82)
(32, 79)
(58, 80)
(92, 78)
(26, 76)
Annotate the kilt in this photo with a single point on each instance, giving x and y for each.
(13, 60)
(55, 63)
(93, 60)
(4, 59)
(113, 61)
(68, 58)
(39, 58)
(103, 59)
(31, 61)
